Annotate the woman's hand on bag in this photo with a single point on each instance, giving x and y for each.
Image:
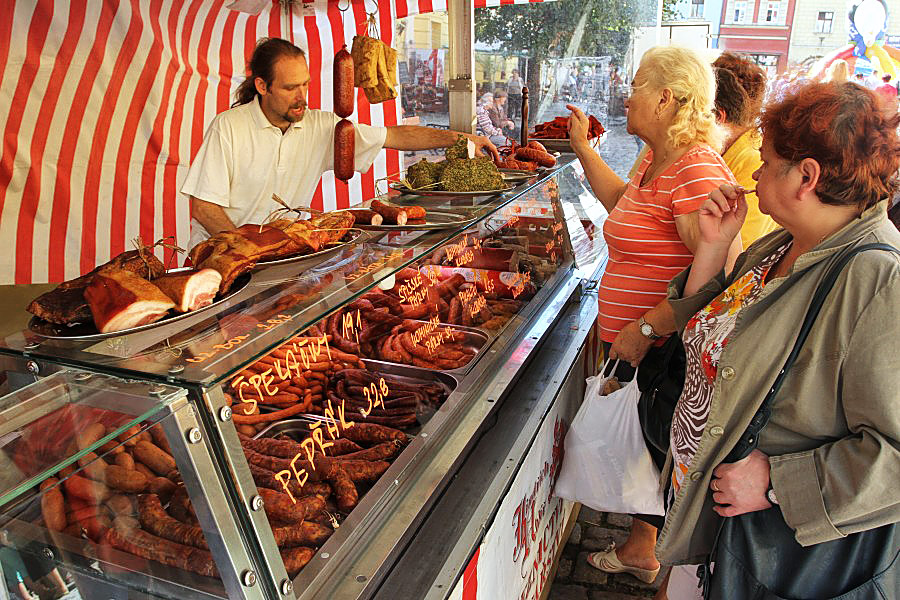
(741, 487)
(630, 345)
(722, 215)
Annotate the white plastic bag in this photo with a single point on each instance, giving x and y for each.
(606, 464)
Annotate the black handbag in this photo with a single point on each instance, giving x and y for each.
(756, 555)
(660, 380)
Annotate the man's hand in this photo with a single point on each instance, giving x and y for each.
(482, 143)
(630, 345)
(741, 487)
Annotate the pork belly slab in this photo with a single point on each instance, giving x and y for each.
(190, 290)
(120, 300)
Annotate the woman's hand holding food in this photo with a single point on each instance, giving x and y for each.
(578, 128)
(722, 215)
(630, 345)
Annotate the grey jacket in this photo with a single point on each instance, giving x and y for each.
(834, 435)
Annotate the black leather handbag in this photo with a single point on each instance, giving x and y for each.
(756, 555)
(660, 380)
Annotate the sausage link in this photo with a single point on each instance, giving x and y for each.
(344, 150)
(343, 83)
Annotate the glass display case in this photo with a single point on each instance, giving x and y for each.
(285, 441)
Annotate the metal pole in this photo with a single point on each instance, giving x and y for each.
(461, 82)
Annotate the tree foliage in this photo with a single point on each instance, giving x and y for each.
(543, 30)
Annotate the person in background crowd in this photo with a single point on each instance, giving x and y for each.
(740, 89)
(652, 229)
(497, 112)
(485, 125)
(887, 91)
(514, 88)
(838, 71)
(822, 470)
(873, 80)
(858, 78)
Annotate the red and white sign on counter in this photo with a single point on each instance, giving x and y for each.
(516, 557)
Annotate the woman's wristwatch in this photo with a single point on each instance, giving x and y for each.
(647, 329)
(770, 495)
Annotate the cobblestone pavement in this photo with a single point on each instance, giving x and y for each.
(577, 580)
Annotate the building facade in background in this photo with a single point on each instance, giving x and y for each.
(821, 26)
(760, 28)
(696, 12)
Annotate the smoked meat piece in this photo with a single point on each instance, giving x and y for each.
(119, 299)
(190, 290)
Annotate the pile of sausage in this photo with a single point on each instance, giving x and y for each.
(558, 128)
(380, 213)
(293, 378)
(381, 398)
(132, 498)
(526, 158)
(358, 455)
(457, 301)
(439, 348)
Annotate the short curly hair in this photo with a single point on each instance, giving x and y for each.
(694, 87)
(840, 126)
(740, 88)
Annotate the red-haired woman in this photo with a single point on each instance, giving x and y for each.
(827, 465)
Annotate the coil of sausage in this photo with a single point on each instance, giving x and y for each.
(344, 149)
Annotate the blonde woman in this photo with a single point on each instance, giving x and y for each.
(652, 230)
(838, 71)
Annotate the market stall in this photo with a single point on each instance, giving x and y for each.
(303, 412)
(303, 435)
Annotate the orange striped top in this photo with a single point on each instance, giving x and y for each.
(645, 250)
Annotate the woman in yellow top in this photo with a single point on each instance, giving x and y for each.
(740, 89)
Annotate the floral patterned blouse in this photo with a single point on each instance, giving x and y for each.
(705, 337)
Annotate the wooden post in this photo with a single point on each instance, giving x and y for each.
(524, 137)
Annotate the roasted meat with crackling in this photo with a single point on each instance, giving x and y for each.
(119, 300)
(331, 227)
(66, 305)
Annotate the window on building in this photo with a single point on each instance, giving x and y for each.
(824, 21)
(697, 9)
(740, 11)
(772, 10)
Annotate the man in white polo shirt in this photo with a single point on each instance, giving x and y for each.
(270, 142)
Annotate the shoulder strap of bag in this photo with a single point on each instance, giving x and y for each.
(750, 438)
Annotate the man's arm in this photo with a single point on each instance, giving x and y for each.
(415, 137)
(211, 216)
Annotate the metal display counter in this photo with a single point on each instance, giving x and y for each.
(70, 409)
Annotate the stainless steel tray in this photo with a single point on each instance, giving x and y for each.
(88, 331)
(475, 338)
(405, 373)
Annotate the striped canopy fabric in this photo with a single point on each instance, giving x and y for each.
(105, 103)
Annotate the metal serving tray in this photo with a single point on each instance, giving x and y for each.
(475, 338)
(405, 373)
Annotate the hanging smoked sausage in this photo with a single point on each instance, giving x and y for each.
(343, 83)
(344, 149)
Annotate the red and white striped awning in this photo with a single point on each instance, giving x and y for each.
(105, 104)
